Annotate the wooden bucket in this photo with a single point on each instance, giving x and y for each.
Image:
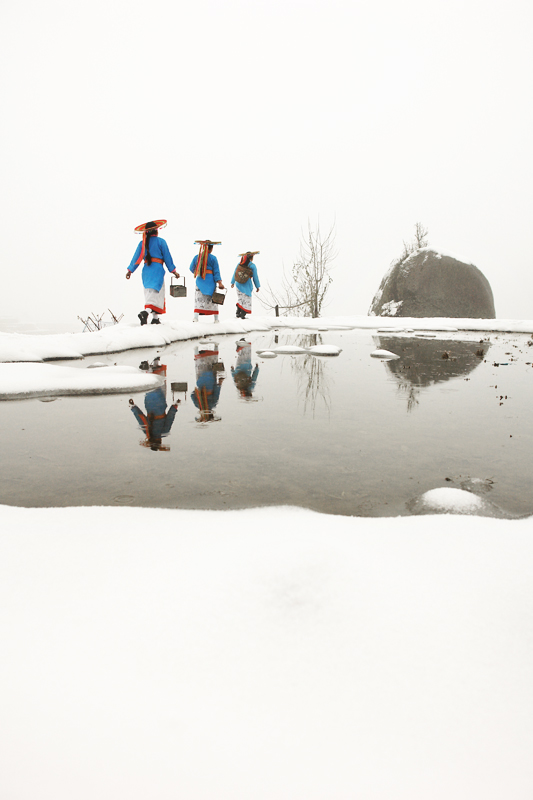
(218, 298)
(218, 366)
(178, 386)
(176, 290)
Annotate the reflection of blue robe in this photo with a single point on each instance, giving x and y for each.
(153, 274)
(244, 378)
(208, 388)
(156, 423)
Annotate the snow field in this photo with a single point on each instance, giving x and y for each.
(267, 653)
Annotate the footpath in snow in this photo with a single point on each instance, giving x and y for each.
(117, 338)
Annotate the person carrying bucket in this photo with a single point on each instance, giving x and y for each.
(245, 273)
(155, 253)
(205, 269)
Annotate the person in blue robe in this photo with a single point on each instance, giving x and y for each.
(247, 269)
(206, 270)
(156, 255)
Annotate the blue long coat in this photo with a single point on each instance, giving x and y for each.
(153, 274)
(208, 284)
(247, 288)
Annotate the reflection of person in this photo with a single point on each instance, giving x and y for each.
(205, 268)
(157, 421)
(245, 273)
(207, 391)
(242, 374)
(155, 253)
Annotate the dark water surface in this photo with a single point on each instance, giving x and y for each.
(345, 435)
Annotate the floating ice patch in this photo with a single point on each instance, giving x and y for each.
(383, 354)
(455, 501)
(33, 380)
(289, 350)
(324, 350)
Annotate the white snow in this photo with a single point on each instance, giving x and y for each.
(384, 354)
(268, 653)
(449, 499)
(324, 350)
(35, 347)
(30, 380)
(391, 308)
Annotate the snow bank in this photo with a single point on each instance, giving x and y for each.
(269, 653)
(115, 339)
(34, 380)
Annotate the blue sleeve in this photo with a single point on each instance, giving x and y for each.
(167, 258)
(216, 269)
(234, 273)
(254, 377)
(133, 266)
(193, 264)
(169, 419)
(255, 276)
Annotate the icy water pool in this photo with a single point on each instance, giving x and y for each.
(349, 434)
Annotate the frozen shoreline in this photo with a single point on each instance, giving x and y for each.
(121, 337)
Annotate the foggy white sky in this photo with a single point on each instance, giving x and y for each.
(240, 121)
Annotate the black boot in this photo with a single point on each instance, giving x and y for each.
(143, 316)
(156, 321)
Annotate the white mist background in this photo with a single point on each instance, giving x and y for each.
(241, 121)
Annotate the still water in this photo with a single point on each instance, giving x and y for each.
(229, 429)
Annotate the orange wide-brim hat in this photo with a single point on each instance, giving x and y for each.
(250, 253)
(153, 225)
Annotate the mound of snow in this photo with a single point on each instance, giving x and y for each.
(289, 350)
(324, 350)
(383, 354)
(454, 501)
(33, 380)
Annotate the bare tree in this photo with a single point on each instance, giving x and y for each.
(303, 292)
(420, 239)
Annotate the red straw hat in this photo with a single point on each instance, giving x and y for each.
(152, 226)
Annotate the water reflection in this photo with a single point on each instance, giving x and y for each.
(424, 362)
(311, 374)
(244, 378)
(157, 421)
(209, 378)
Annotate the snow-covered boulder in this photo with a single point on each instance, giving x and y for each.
(429, 283)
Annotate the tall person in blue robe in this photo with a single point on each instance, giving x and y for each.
(155, 253)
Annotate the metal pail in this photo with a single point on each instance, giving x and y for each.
(176, 290)
(218, 298)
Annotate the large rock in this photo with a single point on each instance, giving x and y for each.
(431, 284)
